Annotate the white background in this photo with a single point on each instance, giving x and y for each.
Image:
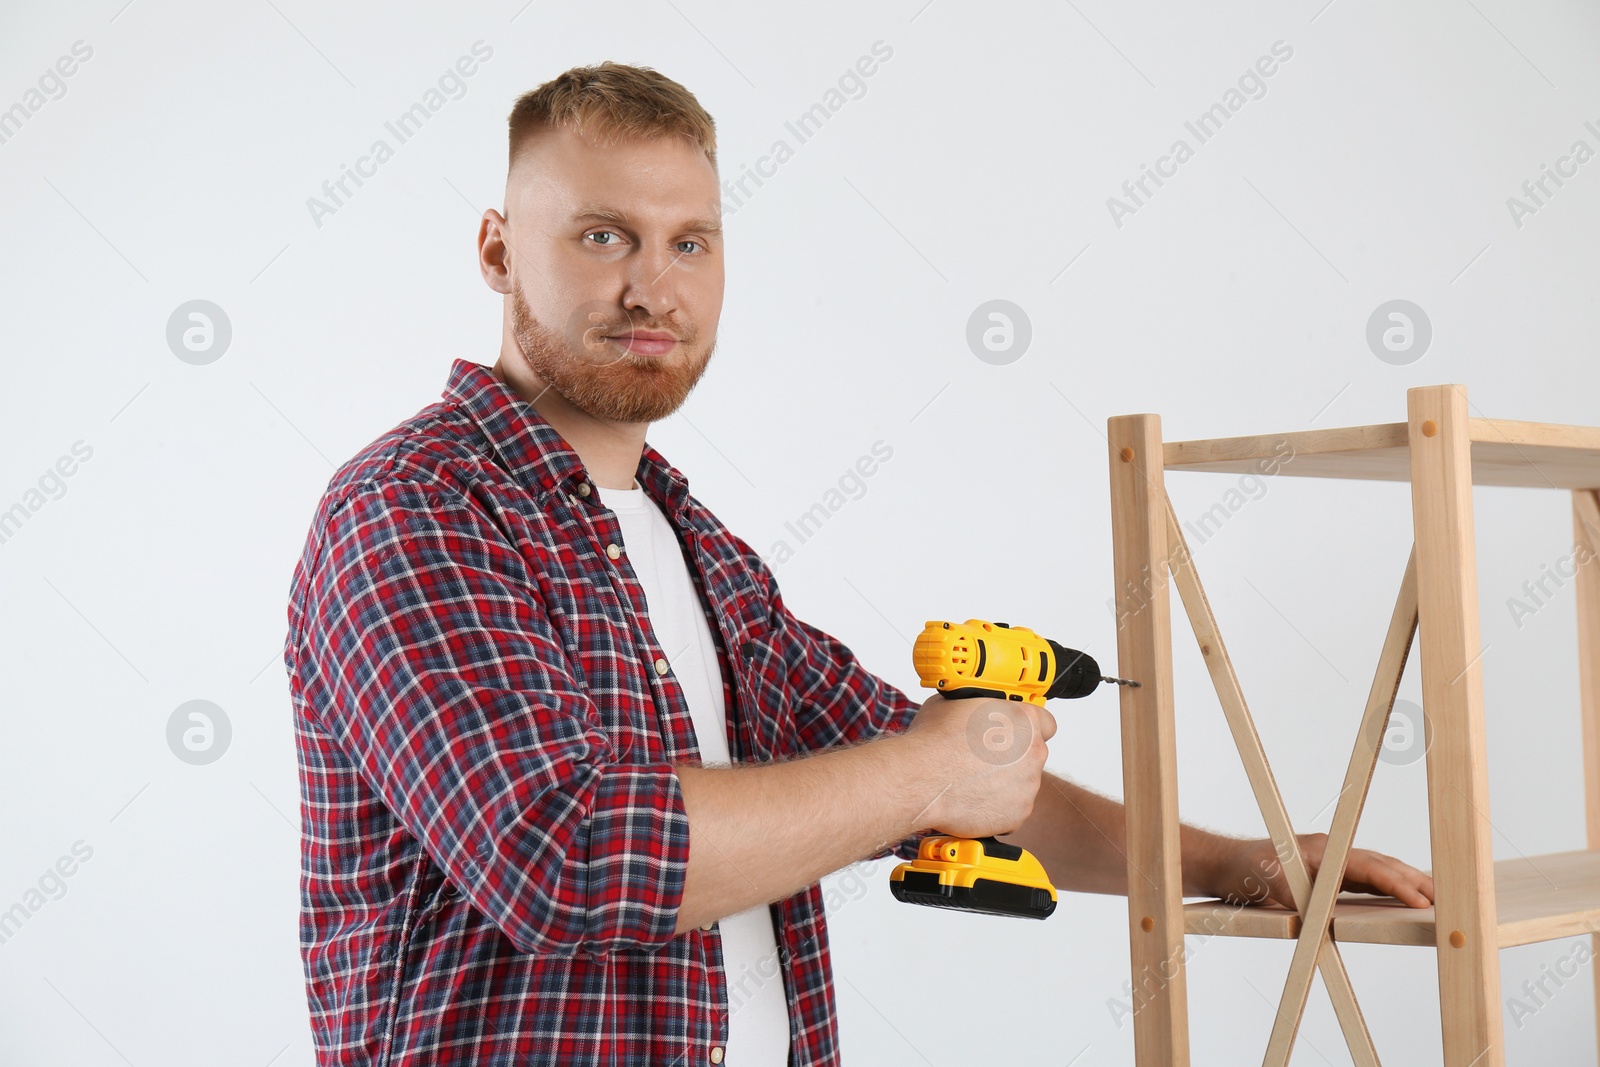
(976, 166)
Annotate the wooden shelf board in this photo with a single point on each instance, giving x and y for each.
(1539, 898)
(1504, 452)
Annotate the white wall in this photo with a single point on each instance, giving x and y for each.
(976, 165)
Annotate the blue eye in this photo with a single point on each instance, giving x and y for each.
(604, 233)
(697, 244)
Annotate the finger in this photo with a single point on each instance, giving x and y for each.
(1368, 870)
(1414, 887)
(1425, 886)
(1388, 876)
(1408, 894)
(1363, 873)
(1047, 724)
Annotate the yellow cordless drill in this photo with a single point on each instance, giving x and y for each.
(989, 659)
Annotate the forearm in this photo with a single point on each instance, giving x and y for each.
(1080, 838)
(763, 832)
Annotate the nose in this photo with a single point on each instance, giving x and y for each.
(651, 284)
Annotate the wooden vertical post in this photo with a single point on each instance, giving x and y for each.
(1149, 749)
(1586, 542)
(1452, 700)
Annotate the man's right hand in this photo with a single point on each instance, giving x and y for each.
(984, 759)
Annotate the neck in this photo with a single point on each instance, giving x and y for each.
(610, 451)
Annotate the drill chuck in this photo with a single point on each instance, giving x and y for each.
(1077, 674)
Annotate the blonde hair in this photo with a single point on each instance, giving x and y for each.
(609, 103)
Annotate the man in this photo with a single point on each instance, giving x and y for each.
(520, 652)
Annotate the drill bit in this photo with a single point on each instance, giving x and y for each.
(1119, 681)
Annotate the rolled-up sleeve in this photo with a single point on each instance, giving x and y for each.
(442, 679)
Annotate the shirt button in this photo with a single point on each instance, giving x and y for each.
(661, 665)
(709, 925)
(716, 1054)
(613, 551)
(584, 489)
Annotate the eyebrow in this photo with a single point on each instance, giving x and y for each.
(606, 214)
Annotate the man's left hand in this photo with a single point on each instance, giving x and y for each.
(1250, 873)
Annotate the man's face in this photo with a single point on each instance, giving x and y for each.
(616, 271)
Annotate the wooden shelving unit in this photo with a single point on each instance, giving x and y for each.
(1480, 906)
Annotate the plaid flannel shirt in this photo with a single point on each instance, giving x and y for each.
(493, 837)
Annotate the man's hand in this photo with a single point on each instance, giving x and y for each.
(1248, 872)
(987, 757)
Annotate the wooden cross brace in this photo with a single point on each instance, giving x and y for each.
(1314, 948)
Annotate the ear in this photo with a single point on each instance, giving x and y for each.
(494, 244)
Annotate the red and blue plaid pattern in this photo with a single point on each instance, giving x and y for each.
(493, 838)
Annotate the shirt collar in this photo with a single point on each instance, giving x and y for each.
(535, 453)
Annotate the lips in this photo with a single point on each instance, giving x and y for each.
(644, 342)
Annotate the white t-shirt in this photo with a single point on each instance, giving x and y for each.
(758, 1017)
